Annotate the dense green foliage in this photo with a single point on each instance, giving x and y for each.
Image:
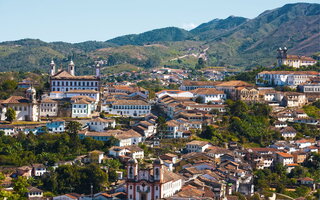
(73, 178)
(246, 123)
(45, 148)
(278, 177)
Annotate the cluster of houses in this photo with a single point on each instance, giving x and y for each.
(198, 171)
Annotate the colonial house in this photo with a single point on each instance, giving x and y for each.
(148, 183)
(27, 108)
(209, 95)
(99, 124)
(293, 60)
(192, 85)
(145, 128)
(284, 158)
(285, 78)
(230, 87)
(89, 93)
(294, 99)
(64, 81)
(38, 169)
(125, 137)
(247, 94)
(310, 88)
(288, 132)
(206, 107)
(34, 193)
(132, 108)
(270, 95)
(132, 151)
(197, 146)
(56, 126)
(94, 157)
(174, 93)
(176, 128)
(308, 120)
(81, 108)
(48, 108)
(8, 130)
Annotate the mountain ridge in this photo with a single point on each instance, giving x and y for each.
(235, 40)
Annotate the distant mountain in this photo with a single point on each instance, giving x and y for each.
(234, 41)
(255, 41)
(157, 35)
(217, 27)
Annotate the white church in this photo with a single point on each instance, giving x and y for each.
(151, 183)
(65, 81)
(27, 108)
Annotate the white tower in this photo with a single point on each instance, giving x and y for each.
(158, 170)
(98, 70)
(71, 68)
(52, 68)
(31, 94)
(132, 169)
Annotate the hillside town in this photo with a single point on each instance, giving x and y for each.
(202, 139)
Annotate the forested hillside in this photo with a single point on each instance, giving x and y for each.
(234, 41)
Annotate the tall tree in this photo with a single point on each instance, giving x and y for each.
(10, 115)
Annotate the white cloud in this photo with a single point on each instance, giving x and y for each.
(189, 26)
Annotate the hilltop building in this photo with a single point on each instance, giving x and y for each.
(293, 60)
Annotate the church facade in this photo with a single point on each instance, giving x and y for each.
(293, 60)
(151, 183)
(27, 108)
(66, 80)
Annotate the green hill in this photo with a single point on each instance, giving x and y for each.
(234, 41)
(157, 35)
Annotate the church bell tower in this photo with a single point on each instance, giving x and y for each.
(71, 68)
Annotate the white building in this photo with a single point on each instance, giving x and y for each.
(192, 85)
(81, 108)
(310, 88)
(27, 108)
(197, 146)
(294, 99)
(133, 151)
(174, 93)
(38, 169)
(126, 138)
(210, 95)
(56, 126)
(89, 93)
(99, 125)
(34, 193)
(65, 81)
(288, 132)
(145, 128)
(132, 108)
(293, 60)
(48, 108)
(285, 78)
(151, 183)
(284, 158)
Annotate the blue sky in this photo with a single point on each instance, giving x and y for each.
(82, 20)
